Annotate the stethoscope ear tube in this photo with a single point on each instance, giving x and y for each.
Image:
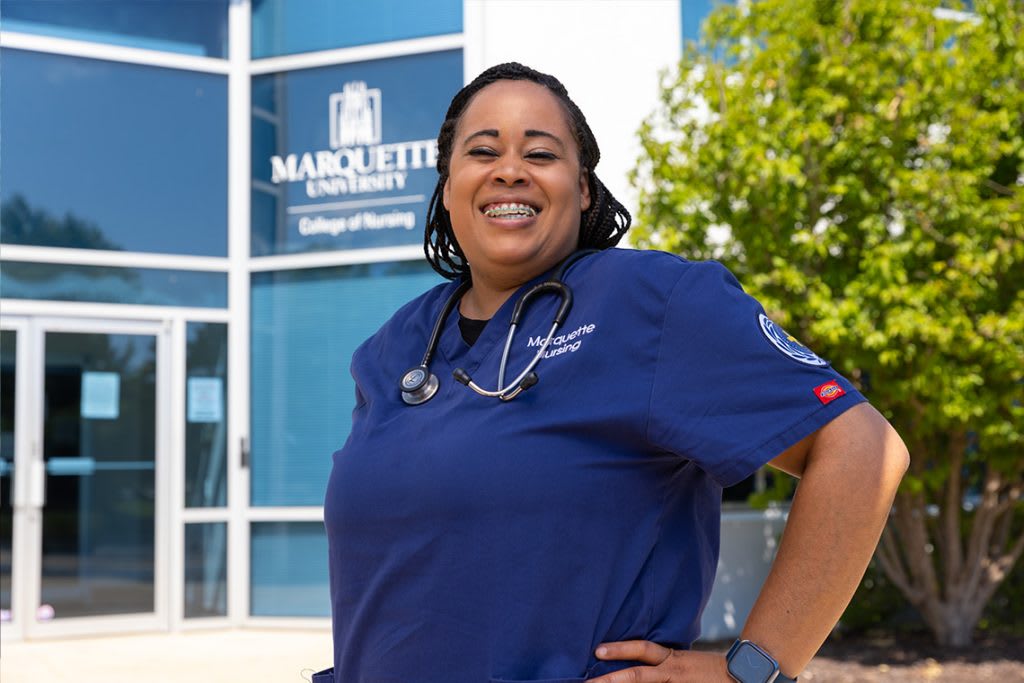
(419, 385)
(554, 286)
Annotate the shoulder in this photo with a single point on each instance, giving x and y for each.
(414, 320)
(643, 272)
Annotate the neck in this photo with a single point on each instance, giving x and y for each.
(484, 299)
(493, 288)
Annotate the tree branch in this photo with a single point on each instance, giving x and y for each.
(910, 511)
(978, 558)
(953, 555)
(888, 556)
(1000, 570)
(997, 187)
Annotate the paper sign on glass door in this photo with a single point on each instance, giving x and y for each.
(205, 399)
(101, 395)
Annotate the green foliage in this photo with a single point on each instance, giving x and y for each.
(859, 164)
(779, 487)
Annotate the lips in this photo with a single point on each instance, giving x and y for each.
(510, 210)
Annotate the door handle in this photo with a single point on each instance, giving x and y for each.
(36, 484)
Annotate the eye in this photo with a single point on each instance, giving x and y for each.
(482, 152)
(542, 155)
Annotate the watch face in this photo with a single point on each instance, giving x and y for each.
(750, 665)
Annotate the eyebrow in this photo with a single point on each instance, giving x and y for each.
(529, 132)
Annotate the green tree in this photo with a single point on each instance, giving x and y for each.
(859, 164)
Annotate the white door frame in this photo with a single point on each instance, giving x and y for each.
(29, 479)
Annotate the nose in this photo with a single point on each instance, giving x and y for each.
(510, 170)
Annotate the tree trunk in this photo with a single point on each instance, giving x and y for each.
(952, 624)
(951, 588)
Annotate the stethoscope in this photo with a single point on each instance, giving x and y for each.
(419, 384)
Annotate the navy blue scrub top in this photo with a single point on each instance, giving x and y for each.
(473, 540)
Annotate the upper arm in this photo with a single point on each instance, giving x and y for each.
(861, 431)
(731, 389)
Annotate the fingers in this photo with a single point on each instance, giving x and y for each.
(636, 650)
(638, 674)
(664, 665)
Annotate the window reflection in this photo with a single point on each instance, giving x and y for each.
(283, 27)
(206, 570)
(106, 284)
(305, 326)
(112, 156)
(99, 446)
(289, 570)
(206, 415)
(193, 28)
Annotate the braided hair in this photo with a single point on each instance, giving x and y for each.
(602, 225)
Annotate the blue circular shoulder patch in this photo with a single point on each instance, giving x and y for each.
(787, 343)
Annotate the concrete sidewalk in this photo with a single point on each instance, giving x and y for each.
(238, 656)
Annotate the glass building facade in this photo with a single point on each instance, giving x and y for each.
(205, 207)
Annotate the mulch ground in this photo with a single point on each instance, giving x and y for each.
(910, 659)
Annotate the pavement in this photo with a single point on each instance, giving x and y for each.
(235, 656)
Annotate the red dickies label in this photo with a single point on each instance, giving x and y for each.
(828, 392)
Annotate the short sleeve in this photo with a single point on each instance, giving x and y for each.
(731, 389)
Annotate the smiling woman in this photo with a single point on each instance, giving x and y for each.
(601, 223)
(515, 190)
(572, 534)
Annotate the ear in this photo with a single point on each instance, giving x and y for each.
(446, 193)
(584, 190)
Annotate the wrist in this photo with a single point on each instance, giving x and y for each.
(748, 662)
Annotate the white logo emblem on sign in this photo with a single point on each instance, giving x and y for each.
(788, 344)
(355, 116)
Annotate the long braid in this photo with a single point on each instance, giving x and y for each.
(602, 225)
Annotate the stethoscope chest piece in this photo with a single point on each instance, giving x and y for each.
(418, 385)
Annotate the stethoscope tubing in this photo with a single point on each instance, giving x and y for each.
(435, 334)
(418, 385)
(503, 392)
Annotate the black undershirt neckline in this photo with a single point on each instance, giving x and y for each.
(471, 329)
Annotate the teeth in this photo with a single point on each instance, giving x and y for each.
(510, 210)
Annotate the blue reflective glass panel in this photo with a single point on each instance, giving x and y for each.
(198, 27)
(112, 156)
(693, 14)
(289, 570)
(305, 326)
(282, 27)
(103, 284)
(344, 156)
(206, 570)
(206, 415)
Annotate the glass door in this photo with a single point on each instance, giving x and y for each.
(92, 504)
(8, 431)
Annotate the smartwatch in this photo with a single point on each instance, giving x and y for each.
(749, 663)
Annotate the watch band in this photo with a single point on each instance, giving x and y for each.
(742, 673)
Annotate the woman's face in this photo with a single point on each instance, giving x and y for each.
(515, 189)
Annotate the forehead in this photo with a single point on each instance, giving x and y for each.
(512, 107)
